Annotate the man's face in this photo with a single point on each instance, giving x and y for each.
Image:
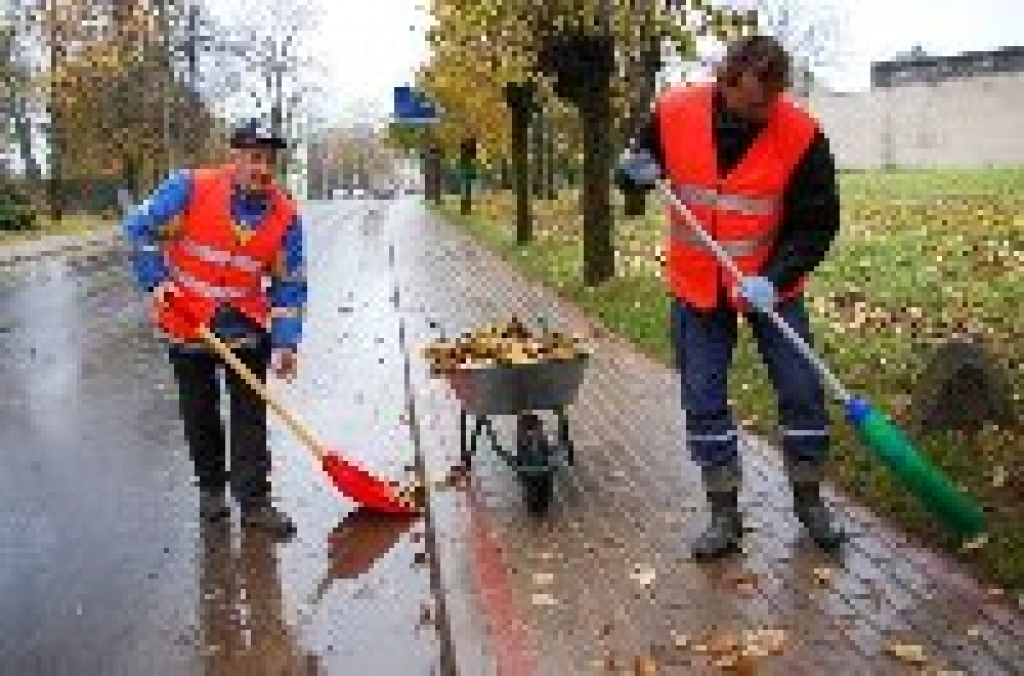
(254, 168)
(750, 98)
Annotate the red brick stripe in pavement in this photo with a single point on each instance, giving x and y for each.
(510, 639)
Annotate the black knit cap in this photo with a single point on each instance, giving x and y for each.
(254, 134)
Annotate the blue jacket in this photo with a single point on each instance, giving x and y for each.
(142, 232)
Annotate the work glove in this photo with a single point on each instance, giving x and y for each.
(284, 363)
(637, 168)
(161, 294)
(759, 292)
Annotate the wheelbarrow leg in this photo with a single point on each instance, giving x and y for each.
(533, 454)
(467, 446)
(563, 435)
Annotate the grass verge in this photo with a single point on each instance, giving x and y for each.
(77, 224)
(921, 256)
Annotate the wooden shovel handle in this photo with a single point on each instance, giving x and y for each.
(298, 426)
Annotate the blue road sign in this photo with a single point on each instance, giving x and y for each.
(413, 107)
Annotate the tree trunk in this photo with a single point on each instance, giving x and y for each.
(520, 160)
(23, 134)
(549, 162)
(55, 135)
(635, 202)
(466, 172)
(506, 174)
(598, 247)
(432, 180)
(538, 156)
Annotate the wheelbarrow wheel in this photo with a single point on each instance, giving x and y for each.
(534, 461)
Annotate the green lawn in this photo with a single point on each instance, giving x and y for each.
(919, 255)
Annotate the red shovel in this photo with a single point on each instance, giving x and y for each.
(188, 316)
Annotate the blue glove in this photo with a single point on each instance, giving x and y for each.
(759, 292)
(639, 168)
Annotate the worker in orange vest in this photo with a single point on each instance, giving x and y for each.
(217, 234)
(756, 170)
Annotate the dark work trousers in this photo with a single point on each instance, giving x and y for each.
(704, 344)
(199, 400)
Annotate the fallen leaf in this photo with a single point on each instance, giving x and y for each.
(642, 574)
(908, 652)
(644, 666)
(681, 640)
(999, 476)
(976, 543)
(544, 600)
(543, 578)
(764, 642)
(995, 592)
(724, 643)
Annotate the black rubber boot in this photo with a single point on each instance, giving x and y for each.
(263, 515)
(213, 506)
(805, 481)
(725, 529)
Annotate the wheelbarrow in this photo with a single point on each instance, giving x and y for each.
(488, 390)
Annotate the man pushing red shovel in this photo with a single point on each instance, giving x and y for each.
(204, 244)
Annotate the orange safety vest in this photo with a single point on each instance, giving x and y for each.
(741, 211)
(210, 257)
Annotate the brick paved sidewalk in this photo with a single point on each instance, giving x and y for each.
(605, 579)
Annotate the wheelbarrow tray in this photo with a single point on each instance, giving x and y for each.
(509, 389)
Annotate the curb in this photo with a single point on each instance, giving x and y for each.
(54, 245)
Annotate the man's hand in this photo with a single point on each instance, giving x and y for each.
(162, 293)
(759, 292)
(638, 168)
(285, 363)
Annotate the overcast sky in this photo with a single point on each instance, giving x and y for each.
(372, 46)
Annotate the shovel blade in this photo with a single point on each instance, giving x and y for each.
(362, 487)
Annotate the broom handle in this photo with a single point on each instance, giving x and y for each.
(842, 395)
(300, 428)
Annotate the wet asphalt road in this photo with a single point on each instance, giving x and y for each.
(105, 567)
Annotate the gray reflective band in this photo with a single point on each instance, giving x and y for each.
(220, 257)
(211, 291)
(804, 433)
(728, 436)
(749, 206)
(734, 247)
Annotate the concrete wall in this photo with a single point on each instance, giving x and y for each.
(964, 122)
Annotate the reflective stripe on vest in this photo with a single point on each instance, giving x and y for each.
(683, 234)
(748, 206)
(212, 291)
(221, 257)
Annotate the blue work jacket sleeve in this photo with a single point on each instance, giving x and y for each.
(288, 290)
(141, 229)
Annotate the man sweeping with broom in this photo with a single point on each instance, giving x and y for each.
(219, 233)
(757, 172)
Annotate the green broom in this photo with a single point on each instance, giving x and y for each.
(956, 511)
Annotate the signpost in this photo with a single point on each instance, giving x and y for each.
(412, 108)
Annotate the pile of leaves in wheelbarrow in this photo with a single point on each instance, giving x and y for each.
(499, 344)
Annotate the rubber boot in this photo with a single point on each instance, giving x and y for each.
(805, 481)
(213, 506)
(725, 528)
(263, 515)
